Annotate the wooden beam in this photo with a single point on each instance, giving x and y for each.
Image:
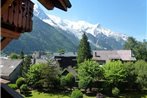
(47, 4)
(9, 33)
(67, 3)
(6, 5)
(63, 3)
(5, 42)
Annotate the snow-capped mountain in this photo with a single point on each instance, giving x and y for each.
(76, 26)
(51, 33)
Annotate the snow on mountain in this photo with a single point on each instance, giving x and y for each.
(78, 27)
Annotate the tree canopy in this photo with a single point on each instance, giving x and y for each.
(114, 72)
(138, 48)
(88, 72)
(43, 76)
(84, 50)
(141, 73)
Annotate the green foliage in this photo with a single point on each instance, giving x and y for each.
(90, 70)
(131, 75)
(14, 56)
(139, 48)
(115, 91)
(43, 76)
(21, 55)
(13, 86)
(61, 51)
(70, 80)
(141, 71)
(20, 81)
(114, 72)
(23, 88)
(130, 44)
(63, 81)
(67, 81)
(83, 83)
(84, 50)
(76, 94)
(26, 65)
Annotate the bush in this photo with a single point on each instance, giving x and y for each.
(115, 91)
(83, 83)
(23, 88)
(14, 56)
(63, 81)
(76, 94)
(13, 86)
(20, 81)
(70, 79)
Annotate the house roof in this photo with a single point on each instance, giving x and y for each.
(61, 4)
(7, 66)
(70, 70)
(125, 55)
(67, 54)
(4, 81)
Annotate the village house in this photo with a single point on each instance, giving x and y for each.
(10, 69)
(103, 56)
(66, 59)
(39, 57)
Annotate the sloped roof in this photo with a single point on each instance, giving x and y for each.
(7, 66)
(61, 4)
(67, 54)
(125, 55)
(71, 70)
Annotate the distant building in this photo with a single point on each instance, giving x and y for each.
(10, 69)
(39, 57)
(66, 59)
(102, 56)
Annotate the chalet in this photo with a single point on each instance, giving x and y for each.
(66, 59)
(102, 56)
(10, 69)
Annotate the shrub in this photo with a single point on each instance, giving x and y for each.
(14, 56)
(23, 88)
(70, 79)
(20, 81)
(13, 86)
(83, 83)
(63, 81)
(76, 94)
(115, 91)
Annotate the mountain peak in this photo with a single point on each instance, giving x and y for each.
(78, 27)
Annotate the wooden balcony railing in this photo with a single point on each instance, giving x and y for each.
(18, 16)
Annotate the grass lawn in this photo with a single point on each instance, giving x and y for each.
(134, 95)
(36, 94)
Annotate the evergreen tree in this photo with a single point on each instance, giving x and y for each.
(138, 48)
(21, 55)
(26, 65)
(84, 51)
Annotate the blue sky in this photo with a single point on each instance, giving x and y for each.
(124, 16)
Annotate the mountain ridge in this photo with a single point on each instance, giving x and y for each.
(51, 33)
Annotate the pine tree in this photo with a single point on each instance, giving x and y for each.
(26, 65)
(84, 50)
(21, 55)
